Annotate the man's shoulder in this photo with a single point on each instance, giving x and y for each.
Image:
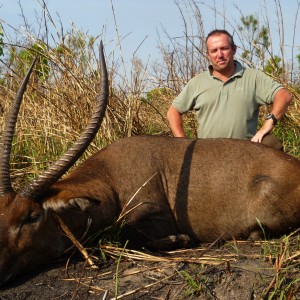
(200, 77)
(202, 74)
(248, 70)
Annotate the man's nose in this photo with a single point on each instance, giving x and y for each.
(220, 53)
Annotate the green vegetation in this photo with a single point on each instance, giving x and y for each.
(196, 286)
(64, 85)
(61, 95)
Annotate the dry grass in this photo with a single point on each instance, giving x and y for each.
(276, 264)
(61, 95)
(56, 109)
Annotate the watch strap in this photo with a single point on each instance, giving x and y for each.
(271, 116)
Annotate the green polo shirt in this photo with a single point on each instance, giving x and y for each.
(229, 109)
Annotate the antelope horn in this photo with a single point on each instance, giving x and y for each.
(40, 185)
(7, 136)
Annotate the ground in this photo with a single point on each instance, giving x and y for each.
(234, 270)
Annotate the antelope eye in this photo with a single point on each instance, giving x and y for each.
(32, 218)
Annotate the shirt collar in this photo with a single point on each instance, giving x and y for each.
(239, 70)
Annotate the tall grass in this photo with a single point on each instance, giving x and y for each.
(61, 95)
(183, 57)
(62, 92)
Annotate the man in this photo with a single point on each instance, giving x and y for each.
(227, 97)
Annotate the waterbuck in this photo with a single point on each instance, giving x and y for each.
(172, 192)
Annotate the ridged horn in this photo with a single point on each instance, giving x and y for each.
(7, 136)
(37, 187)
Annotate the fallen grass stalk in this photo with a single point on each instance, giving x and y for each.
(142, 256)
(77, 244)
(88, 277)
(294, 256)
(99, 289)
(143, 287)
(124, 212)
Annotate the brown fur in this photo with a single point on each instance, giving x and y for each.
(187, 191)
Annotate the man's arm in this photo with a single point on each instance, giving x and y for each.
(175, 120)
(282, 99)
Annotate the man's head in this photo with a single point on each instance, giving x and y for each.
(220, 50)
(217, 32)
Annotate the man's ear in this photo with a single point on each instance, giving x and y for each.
(234, 48)
(207, 56)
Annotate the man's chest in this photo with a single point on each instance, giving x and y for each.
(234, 94)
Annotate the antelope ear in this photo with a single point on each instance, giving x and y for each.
(83, 204)
(78, 204)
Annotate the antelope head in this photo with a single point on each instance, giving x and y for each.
(28, 232)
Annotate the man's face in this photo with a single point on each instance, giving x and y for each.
(220, 52)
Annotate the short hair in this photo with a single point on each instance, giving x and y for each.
(218, 32)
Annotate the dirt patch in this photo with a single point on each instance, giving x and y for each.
(240, 271)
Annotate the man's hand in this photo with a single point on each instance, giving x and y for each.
(282, 99)
(265, 129)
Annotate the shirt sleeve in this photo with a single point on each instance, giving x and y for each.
(266, 88)
(185, 101)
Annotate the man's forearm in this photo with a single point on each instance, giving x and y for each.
(281, 102)
(175, 121)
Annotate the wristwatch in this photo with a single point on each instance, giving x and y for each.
(271, 116)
